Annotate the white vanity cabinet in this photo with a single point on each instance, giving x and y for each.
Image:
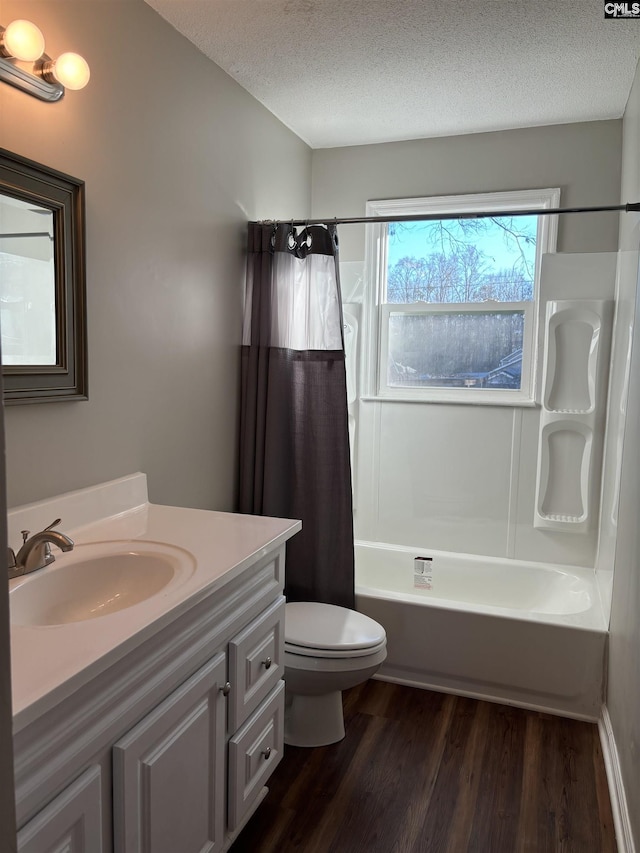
(254, 751)
(168, 771)
(71, 823)
(167, 749)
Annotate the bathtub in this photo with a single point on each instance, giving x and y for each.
(510, 631)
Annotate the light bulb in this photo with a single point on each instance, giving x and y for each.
(69, 69)
(23, 40)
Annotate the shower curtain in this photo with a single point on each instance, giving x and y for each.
(294, 439)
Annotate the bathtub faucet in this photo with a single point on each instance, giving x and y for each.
(35, 552)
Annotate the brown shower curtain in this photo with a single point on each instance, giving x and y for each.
(294, 439)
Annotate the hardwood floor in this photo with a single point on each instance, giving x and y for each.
(423, 772)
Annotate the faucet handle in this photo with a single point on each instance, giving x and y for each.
(25, 533)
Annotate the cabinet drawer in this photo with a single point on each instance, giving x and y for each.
(256, 662)
(254, 753)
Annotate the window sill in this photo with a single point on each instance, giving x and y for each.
(452, 401)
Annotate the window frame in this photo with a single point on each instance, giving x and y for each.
(376, 312)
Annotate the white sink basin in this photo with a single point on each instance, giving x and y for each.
(96, 580)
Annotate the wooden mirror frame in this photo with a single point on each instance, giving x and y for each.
(64, 196)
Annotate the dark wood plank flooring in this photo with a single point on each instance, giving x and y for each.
(424, 772)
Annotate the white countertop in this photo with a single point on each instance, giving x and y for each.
(49, 662)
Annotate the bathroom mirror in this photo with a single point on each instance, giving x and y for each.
(42, 283)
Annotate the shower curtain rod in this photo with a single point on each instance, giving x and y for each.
(422, 217)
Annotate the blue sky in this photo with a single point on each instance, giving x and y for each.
(410, 241)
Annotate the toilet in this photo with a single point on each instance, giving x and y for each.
(327, 649)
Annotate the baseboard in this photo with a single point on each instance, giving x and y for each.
(617, 795)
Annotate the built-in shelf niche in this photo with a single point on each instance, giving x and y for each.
(577, 341)
(572, 354)
(565, 474)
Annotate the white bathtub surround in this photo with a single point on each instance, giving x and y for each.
(463, 478)
(50, 662)
(521, 633)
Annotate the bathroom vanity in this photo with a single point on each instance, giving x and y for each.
(154, 725)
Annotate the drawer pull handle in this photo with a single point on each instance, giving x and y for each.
(226, 688)
(266, 752)
(267, 663)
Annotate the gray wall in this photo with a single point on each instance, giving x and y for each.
(582, 159)
(176, 158)
(623, 694)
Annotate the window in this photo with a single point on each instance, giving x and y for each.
(453, 303)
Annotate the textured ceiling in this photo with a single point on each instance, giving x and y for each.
(348, 72)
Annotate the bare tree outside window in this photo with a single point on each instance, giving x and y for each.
(462, 260)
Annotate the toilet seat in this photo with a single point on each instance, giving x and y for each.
(337, 663)
(315, 630)
(306, 652)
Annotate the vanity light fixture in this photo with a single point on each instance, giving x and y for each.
(22, 40)
(25, 65)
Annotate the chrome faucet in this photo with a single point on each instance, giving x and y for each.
(35, 552)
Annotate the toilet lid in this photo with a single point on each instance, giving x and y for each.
(326, 626)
